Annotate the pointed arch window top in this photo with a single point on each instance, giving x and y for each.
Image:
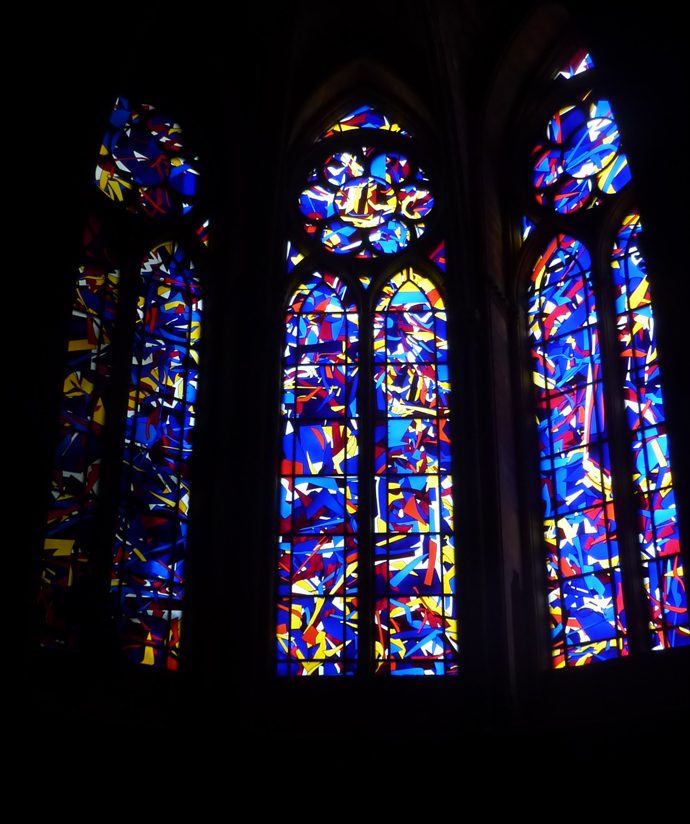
(579, 511)
(410, 292)
(322, 293)
(144, 163)
(363, 117)
(564, 258)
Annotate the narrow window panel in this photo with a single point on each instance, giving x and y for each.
(75, 478)
(363, 117)
(582, 560)
(148, 577)
(659, 538)
(415, 620)
(316, 631)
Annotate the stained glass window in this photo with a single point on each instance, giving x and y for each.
(151, 535)
(144, 163)
(76, 472)
(145, 167)
(415, 618)
(662, 563)
(364, 117)
(583, 568)
(591, 587)
(364, 201)
(317, 611)
(581, 159)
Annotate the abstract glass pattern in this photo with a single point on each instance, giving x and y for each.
(583, 565)
(366, 202)
(293, 256)
(438, 256)
(579, 63)
(148, 577)
(144, 163)
(528, 227)
(202, 232)
(318, 549)
(655, 497)
(415, 619)
(581, 159)
(75, 479)
(363, 117)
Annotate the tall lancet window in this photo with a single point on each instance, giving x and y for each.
(366, 556)
(133, 538)
(614, 568)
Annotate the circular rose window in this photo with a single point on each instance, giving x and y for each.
(367, 203)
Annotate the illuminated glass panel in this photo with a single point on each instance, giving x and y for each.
(75, 479)
(293, 256)
(148, 577)
(528, 227)
(318, 550)
(364, 117)
(144, 163)
(438, 256)
(415, 618)
(366, 202)
(582, 562)
(579, 63)
(202, 232)
(581, 159)
(659, 538)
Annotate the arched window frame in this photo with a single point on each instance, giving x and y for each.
(379, 271)
(597, 228)
(87, 616)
